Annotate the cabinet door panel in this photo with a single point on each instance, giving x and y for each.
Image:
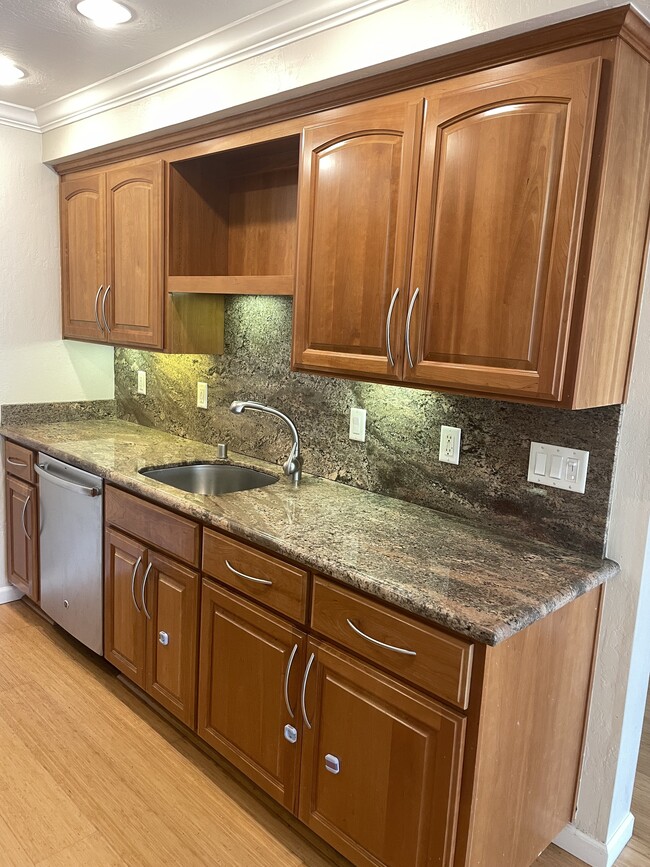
(22, 536)
(124, 622)
(172, 599)
(135, 250)
(500, 207)
(394, 798)
(355, 204)
(83, 255)
(244, 659)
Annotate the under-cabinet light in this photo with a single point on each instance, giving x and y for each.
(104, 13)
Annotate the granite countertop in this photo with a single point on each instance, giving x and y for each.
(461, 576)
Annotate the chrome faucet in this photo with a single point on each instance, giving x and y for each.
(293, 464)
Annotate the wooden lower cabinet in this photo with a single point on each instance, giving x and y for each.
(22, 536)
(381, 765)
(150, 622)
(171, 595)
(250, 667)
(124, 623)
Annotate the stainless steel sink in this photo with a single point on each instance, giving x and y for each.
(210, 479)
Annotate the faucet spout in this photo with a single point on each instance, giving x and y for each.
(293, 465)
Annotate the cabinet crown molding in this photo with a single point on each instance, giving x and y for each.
(621, 21)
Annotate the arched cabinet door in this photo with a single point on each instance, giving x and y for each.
(499, 216)
(83, 255)
(134, 302)
(356, 198)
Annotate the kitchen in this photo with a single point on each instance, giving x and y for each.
(399, 457)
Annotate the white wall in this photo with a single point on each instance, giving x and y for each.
(624, 661)
(35, 364)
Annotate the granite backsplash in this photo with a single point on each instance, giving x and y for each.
(400, 456)
(75, 410)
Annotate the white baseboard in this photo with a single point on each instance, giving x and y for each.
(9, 594)
(592, 851)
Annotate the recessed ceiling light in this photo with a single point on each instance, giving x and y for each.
(9, 72)
(104, 13)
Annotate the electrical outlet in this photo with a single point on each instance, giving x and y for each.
(202, 395)
(358, 424)
(142, 382)
(449, 444)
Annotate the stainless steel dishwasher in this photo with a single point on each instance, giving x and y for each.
(70, 502)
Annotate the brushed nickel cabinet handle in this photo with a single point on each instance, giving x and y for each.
(108, 327)
(15, 463)
(163, 638)
(133, 574)
(389, 317)
(305, 678)
(379, 643)
(248, 577)
(408, 326)
(287, 675)
(22, 516)
(99, 324)
(144, 588)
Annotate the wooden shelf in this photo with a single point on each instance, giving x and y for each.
(232, 221)
(255, 284)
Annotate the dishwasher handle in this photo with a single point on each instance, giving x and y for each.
(45, 473)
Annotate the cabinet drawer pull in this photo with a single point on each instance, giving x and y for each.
(22, 516)
(144, 588)
(163, 638)
(287, 675)
(389, 317)
(108, 327)
(305, 678)
(133, 574)
(248, 577)
(408, 326)
(15, 463)
(379, 643)
(99, 324)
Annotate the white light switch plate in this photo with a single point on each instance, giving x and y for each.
(142, 382)
(558, 467)
(358, 424)
(449, 444)
(202, 395)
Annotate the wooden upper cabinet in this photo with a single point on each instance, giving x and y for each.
(354, 223)
(500, 204)
(134, 305)
(112, 227)
(83, 255)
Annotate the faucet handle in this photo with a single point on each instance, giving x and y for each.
(222, 451)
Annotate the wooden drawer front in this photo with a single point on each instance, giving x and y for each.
(153, 525)
(264, 578)
(438, 663)
(19, 462)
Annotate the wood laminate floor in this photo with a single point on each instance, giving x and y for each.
(92, 777)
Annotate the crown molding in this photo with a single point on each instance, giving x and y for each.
(281, 24)
(18, 116)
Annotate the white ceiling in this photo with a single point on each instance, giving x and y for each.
(62, 52)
